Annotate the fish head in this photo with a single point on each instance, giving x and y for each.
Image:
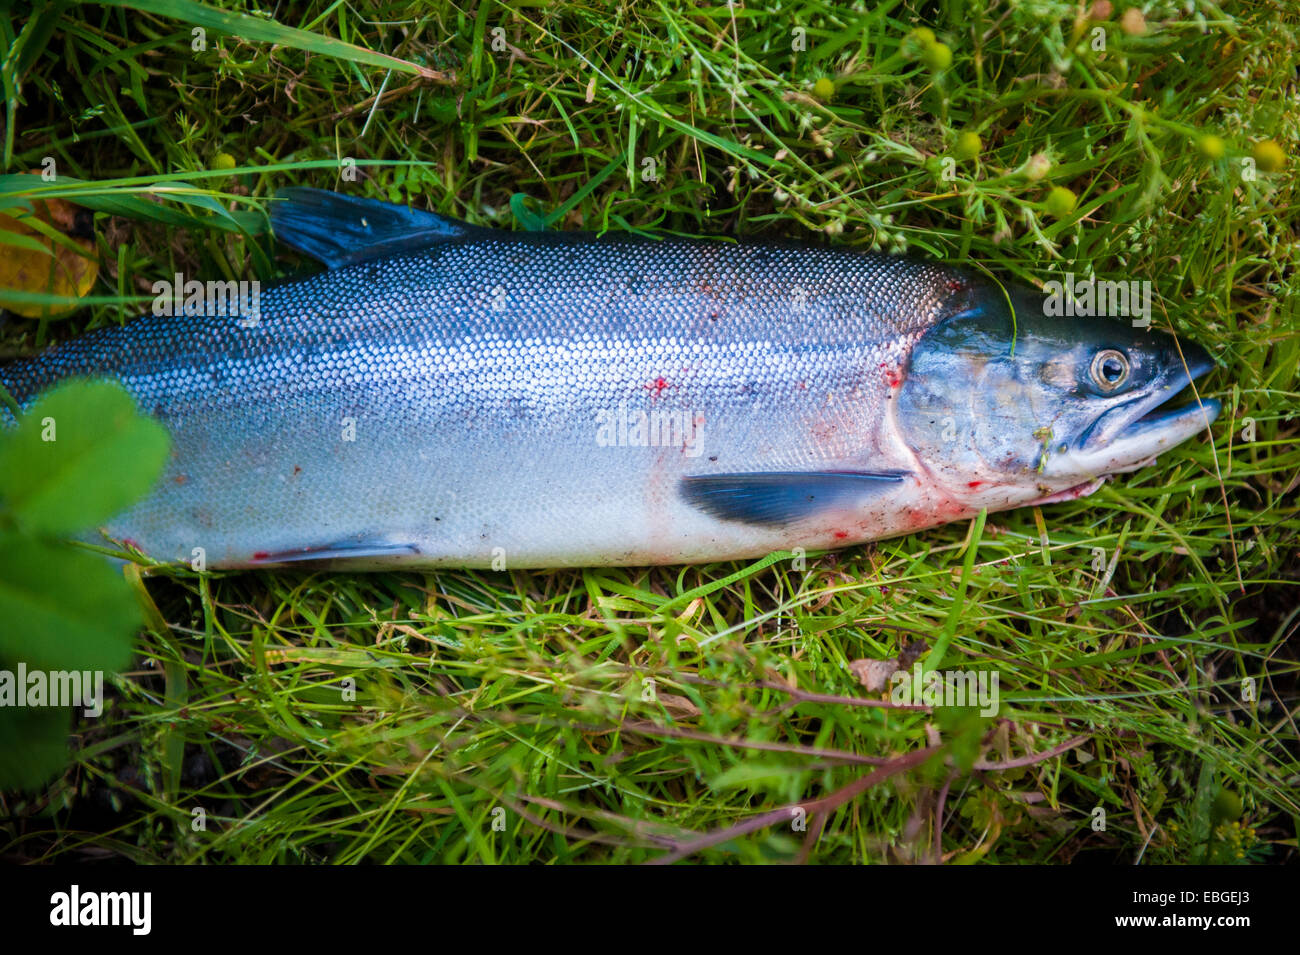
(1004, 404)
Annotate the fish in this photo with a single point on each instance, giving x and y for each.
(451, 395)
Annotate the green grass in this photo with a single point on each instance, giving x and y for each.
(1121, 626)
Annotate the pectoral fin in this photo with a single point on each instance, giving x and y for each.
(774, 498)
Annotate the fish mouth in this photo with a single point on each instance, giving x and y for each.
(1130, 435)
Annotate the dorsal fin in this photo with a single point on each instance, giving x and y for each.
(339, 229)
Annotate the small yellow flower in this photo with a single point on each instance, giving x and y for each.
(1211, 146)
(968, 145)
(1268, 155)
(937, 57)
(1060, 202)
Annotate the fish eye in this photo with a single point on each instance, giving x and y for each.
(1109, 369)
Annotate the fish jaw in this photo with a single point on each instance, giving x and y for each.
(1070, 493)
(1136, 447)
(1143, 440)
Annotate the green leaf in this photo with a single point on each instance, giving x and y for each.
(748, 773)
(262, 30)
(33, 744)
(134, 202)
(573, 200)
(81, 455)
(62, 608)
(962, 728)
(530, 220)
(8, 237)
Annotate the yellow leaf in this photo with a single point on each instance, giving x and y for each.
(62, 270)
